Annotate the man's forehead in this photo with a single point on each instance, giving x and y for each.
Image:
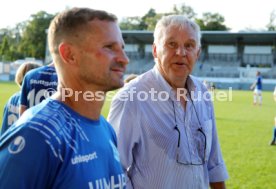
(171, 37)
(104, 27)
(105, 33)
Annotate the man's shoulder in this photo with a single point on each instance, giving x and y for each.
(106, 125)
(39, 129)
(34, 71)
(41, 72)
(197, 82)
(40, 119)
(42, 112)
(43, 77)
(48, 69)
(139, 83)
(103, 120)
(14, 99)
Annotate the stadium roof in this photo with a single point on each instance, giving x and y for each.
(211, 37)
(137, 36)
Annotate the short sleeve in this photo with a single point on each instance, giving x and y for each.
(26, 160)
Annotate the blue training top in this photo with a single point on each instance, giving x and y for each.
(52, 146)
(37, 85)
(259, 83)
(11, 112)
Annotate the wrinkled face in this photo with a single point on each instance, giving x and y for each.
(101, 56)
(176, 54)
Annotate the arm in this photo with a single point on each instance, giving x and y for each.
(124, 119)
(24, 104)
(5, 120)
(24, 160)
(216, 167)
(253, 85)
(22, 109)
(217, 185)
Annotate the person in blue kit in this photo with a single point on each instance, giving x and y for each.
(273, 141)
(64, 142)
(37, 85)
(11, 109)
(257, 87)
(167, 139)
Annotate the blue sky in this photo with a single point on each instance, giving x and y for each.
(238, 14)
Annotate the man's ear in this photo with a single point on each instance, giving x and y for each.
(67, 53)
(154, 50)
(198, 53)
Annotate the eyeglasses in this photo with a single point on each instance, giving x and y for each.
(198, 135)
(200, 148)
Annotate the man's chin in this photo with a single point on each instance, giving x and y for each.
(182, 75)
(116, 85)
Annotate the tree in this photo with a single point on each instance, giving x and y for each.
(146, 22)
(149, 19)
(13, 37)
(271, 26)
(209, 21)
(5, 49)
(130, 23)
(212, 21)
(185, 10)
(34, 36)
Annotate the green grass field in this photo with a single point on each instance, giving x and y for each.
(244, 132)
(6, 90)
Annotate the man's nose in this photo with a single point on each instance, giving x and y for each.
(181, 51)
(122, 58)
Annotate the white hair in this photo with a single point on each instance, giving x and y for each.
(175, 20)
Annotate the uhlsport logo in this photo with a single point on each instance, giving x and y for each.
(17, 145)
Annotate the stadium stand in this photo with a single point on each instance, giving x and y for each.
(227, 59)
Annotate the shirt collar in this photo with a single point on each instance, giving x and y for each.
(164, 85)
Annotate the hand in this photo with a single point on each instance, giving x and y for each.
(252, 87)
(218, 185)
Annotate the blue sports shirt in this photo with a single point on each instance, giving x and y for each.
(11, 112)
(259, 83)
(52, 146)
(37, 85)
